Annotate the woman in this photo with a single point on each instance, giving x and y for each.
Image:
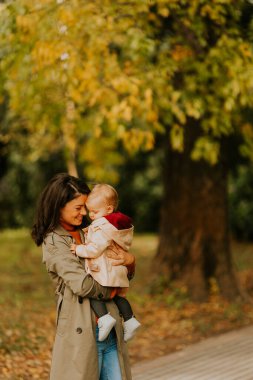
(77, 354)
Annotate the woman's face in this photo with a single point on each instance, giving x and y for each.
(73, 212)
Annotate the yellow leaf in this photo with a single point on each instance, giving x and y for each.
(177, 138)
(151, 116)
(164, 12)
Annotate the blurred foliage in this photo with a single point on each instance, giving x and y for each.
(241, 202)
(20, 184)
(69, 87)
(80, 76)
(86, 85)
(140, 188)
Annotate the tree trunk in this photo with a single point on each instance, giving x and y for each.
(71, 166)
(194, 235)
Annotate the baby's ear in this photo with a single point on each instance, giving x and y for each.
(110, 209)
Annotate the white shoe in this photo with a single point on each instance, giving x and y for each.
(130, 328)
(105, 324)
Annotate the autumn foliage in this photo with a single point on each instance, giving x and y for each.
(85, 76)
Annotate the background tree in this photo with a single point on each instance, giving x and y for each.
(211, 92)
(86, 78)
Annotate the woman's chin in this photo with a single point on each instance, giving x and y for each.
(78, 222)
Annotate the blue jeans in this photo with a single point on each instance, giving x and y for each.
(108, 361)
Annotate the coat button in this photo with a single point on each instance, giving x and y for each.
(80, 299)
(100, 296)
(79, 330)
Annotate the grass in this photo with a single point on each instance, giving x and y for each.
(169, 321)
(22, 275)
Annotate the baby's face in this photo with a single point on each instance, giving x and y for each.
(97, 208)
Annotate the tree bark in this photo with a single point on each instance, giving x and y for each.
(71, 166)
(194, 233)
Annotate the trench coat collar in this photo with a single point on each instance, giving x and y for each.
(59, 230)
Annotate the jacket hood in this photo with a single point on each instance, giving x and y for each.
(119, 220)
(122, 237)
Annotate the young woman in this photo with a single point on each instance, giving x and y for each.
(77, 353)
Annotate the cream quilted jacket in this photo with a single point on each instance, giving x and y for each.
(100, 237)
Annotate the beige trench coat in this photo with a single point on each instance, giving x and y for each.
(75, 352)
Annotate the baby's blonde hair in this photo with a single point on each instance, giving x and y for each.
(106, 192)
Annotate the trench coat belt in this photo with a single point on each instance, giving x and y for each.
(59, 291)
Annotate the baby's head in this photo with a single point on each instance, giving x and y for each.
(102, 200)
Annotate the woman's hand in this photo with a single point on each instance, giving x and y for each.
(120, 256)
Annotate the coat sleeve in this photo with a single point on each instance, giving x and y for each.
(59, 261)
(95, 247)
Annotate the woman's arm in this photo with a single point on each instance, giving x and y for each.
(60, 261)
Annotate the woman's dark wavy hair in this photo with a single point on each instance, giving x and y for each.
(61, 189)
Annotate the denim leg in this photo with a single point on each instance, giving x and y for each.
(100, 349)
(108, 361)
(110, 368)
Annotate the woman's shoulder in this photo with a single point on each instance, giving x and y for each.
(58, 235)
(55, 245)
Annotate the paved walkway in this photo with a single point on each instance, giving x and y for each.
(226, 357)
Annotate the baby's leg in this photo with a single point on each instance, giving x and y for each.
(124, 307)
(98, 307)
(130, 322)
(105, 321)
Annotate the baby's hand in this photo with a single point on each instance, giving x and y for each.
(73, 248)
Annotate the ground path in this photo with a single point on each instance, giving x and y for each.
(225, 357)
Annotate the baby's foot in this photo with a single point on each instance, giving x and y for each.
(105, 324)
(130, 327)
